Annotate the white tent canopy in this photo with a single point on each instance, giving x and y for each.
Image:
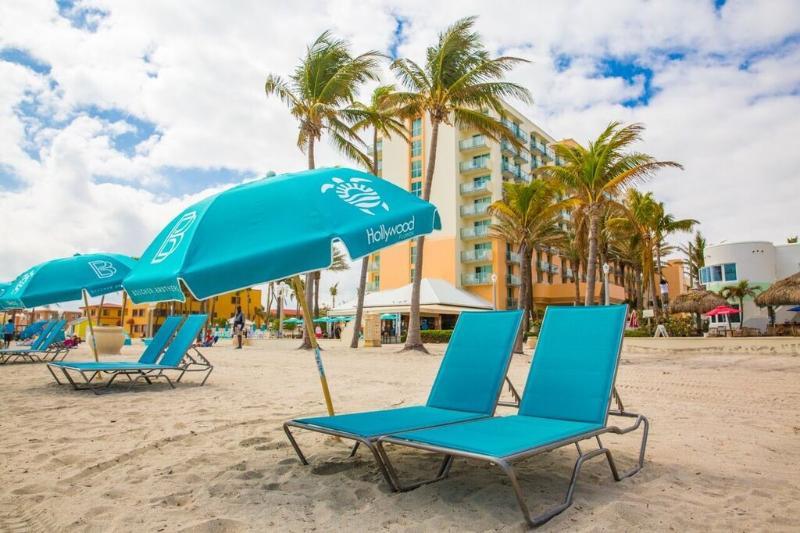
(436, 296)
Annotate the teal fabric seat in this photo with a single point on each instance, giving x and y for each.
(42, 342)
(466, 387)
(149, 366)
(566, 400)
(500, 436)
(373, 424)
(44, 346)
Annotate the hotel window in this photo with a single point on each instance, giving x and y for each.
(478, 182)
(729, 269)
(416, 188)
(416, 148)
(416, 127)
(483, 270)
(416, 169)
(379, 145)
(411, 276)
(413, 255)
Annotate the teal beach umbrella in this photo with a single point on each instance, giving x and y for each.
(210, 247)
(3, 288)
(67, 279)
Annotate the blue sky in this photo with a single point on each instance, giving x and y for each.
(132, 110)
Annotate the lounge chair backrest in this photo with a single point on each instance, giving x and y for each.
(32, 329)
(476, 362)
(183, 340)
(575, 363)
(43, 335)
(160, 340)
(52, 335)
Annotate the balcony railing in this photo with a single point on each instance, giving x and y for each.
(474, 164)
(512, 303)
(472, 143)
(373, 286)
(474, 188)
(374, 266)
(482, 278)
(513, 257)
(475, 232)
(474, 256)
(471, 210)
(512, 170)
(513, 280)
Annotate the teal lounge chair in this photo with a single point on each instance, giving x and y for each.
(32, 330)
(150, 355)
(467, 387)
(566, 401)
(176, 358)
(44, 346)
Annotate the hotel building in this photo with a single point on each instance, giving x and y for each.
(469, 175)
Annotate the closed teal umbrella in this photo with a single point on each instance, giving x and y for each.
(322, 320)
(67, 279)
(290, 225)
(3, 288)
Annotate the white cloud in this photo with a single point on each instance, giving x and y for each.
(727, 110)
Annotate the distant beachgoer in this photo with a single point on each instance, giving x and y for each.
(238, 325)
(8, 333)
(337, 332)
(634, 319)
(318, 332)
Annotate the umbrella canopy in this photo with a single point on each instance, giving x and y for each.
(795, 309)
(63, 280)
(722, 310)
(3, 288)
(292, 321)
(783, 292)
(388, 316)
(322, 320)
(697, 301)
(291, 222)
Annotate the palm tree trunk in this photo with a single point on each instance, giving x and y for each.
(741, 313)
(576, 278)
(525, 291)
(639, 291)
(309, 281)
(591, 261)
(653, 291)
(317, 276)
(602, 261)
(362, 281)
(414, 339)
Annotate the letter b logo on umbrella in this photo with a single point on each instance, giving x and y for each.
(174, 238)
(103, 269)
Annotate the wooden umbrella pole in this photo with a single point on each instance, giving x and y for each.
(91, 327)
(301, 298)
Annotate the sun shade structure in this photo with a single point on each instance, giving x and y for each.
(67, 279)
(291, 224)
(783, 292)
(697, 301)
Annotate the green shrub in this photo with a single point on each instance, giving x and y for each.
(681, 326)
(641, 331)
(436, 336)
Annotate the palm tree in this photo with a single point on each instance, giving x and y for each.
(334, 290)
(380, 116)
(739, 292)
(695, 252)
(595, 176)
(527, 217)
(572, 249)
(791, 240)
(338, 264)
(666, 224)
(458, 81)
(323, 83)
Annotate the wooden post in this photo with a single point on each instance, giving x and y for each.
(309, 325)
(91, 327)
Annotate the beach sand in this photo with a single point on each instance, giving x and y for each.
(723, 453)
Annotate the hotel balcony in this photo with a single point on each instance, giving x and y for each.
(518, 133)
(484, 278)
(513, 257)
(374, 266)
(539, 146)
(474, 210)
(511, 171)
(469, 189)
(373, 286)
(476, 232)
(473, 143)
(512, 303)
(513, 280)
(476, 256)
(473, 166)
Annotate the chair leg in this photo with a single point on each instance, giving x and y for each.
(294, 444)
(394, 479)
(355, 449)
(52, 373)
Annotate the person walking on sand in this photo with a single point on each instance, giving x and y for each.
(8, 333)
(238, 326)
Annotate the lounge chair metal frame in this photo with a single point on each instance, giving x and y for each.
(196, 362)
(55, 351)
(505, 462)
(371, 442)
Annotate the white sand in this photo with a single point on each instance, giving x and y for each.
(723, 454)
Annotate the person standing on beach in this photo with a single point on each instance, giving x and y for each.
(8, 333)
(238, 325)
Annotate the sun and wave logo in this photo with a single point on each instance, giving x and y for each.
(356, 192)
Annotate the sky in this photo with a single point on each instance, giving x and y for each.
(116, 115)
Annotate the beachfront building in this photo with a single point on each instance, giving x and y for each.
(143, 320)
(761, 263)
(469, 175)
(110, 315)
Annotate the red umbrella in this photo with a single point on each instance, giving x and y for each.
(722, 310)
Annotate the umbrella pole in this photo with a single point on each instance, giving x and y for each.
(91, 327)
(301, 298)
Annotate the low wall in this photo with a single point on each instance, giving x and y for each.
(723, 345)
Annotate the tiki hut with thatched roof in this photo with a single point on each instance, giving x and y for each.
(697, 301)
(783, 292)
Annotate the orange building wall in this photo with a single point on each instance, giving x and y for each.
(439, 260)
(395, 261)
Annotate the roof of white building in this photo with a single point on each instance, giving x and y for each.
(435, 294)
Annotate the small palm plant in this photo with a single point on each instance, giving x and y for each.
(739, 292)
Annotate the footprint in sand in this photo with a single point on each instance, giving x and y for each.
(217, 525)
(250, 474)
(253, 441)
(327, 469)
